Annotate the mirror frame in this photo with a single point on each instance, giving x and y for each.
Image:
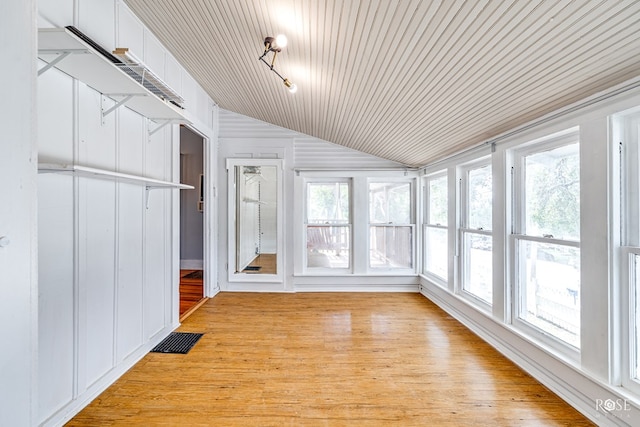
(233, 276)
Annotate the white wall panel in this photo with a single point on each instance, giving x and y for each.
(233, 125)
(309, 152)
(202, 105)
(18, 216)
(173, 74)
(96, 19)
(130, 275)
(96, 270)
(594, 242)
(55, 125)
(153, 54)
(131, 142)
(155, 156)
(130, 31)
(96, 147)
(189, 92)
(196, 100)
(55, 293)
(55, 13)
(314, 153)
(108, 263)
(155, 280)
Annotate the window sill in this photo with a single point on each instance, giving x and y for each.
(336, 274)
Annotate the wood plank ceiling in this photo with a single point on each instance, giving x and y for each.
(408, 80)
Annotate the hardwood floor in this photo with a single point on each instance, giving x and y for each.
(266, 262)
(191, 289)
(328, 359)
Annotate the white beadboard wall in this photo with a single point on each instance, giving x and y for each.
(107, 256)
(308, 151)
(245, 137)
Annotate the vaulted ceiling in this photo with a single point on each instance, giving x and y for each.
(408, 80)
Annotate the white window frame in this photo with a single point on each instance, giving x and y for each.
(412, 225)
(328, 270)
(426, 225)
(464, 230)
(232, 275)
(550, 142)
(627, 124)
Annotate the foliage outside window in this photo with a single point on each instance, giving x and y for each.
(390, 225)
(475, 233)
(547, 247)
(435, 228)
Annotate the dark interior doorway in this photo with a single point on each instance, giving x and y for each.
(191, 221)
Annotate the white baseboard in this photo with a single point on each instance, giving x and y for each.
(67, 412)
(576, 387)
(191, 264)
(356, 288)
(356, 283)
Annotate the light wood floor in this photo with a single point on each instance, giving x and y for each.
(328, 360)
(266, 262)
(191, 290)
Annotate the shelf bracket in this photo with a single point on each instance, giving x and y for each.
(163, 124)
(117, 105)
(53, 63)
(147, 190)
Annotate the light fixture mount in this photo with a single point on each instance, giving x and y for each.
(275, 45)
(270, 45)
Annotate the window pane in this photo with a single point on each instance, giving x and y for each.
(328, 246)
(390, 203)
(552, 202)
(390, 247)
(438, 201)
(480, 198)
(549, 288)
(328, 203)
(436, 250)
(635, 289)
(478, 266)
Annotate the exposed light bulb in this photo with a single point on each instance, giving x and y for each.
(281, 41)
(291, 86)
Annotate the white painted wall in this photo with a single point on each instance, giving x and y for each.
(108, 256)
(18, 221)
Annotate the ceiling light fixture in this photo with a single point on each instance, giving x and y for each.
(276, 45)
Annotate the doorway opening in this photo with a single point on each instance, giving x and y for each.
(192, 208)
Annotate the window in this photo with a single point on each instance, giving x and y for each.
(627, 127)
(475, 232)
(547, 237)
(634, 276)
(328, 225)
(435, 226)
(390, 225)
